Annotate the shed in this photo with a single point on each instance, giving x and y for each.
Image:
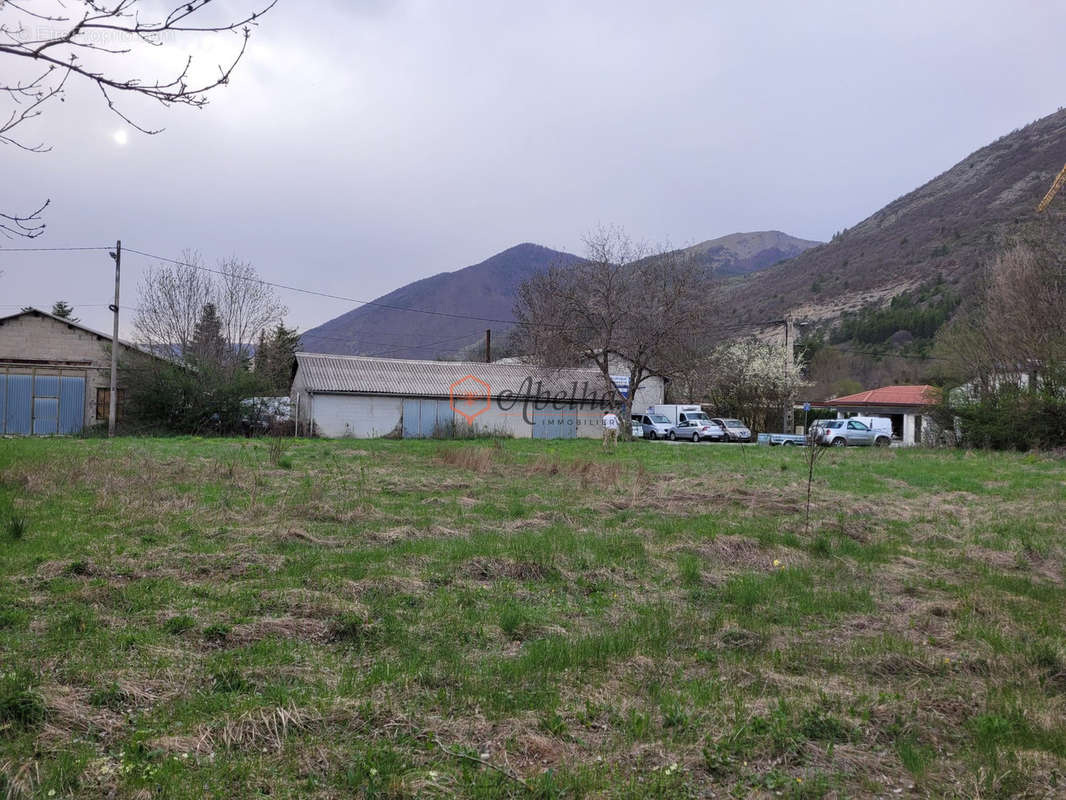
(906, 406)
(363, 396)
(55, 374)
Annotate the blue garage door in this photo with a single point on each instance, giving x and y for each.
(42, 404)
(552, 423)
(71, 404)
(423, 419)
(18, 406)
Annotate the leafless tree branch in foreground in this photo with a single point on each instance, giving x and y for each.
(44, 46)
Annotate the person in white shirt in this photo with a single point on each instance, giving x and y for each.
(610, 429)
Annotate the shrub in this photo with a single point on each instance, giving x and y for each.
(1010, 418)
(168, 398)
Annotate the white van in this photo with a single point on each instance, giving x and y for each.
(879, 424)
(679, 413)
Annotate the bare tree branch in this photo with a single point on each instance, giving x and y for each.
(27, 226)
(98, 43)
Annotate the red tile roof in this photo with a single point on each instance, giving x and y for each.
(923, 395)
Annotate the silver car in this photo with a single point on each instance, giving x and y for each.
(735, 430)
(697, 428)
(845, 432)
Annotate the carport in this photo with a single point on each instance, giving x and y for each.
(907, 407)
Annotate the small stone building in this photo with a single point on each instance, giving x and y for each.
(55, 374)
(362, 396)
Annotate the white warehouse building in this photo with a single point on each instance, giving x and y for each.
(365, 397)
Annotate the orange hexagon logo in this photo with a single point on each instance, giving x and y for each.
(469, 396)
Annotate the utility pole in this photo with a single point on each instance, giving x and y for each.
(787, 420)
(112, 408)
(488, 345)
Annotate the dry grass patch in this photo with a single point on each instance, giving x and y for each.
(494, 569)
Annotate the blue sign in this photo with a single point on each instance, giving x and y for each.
(806, 406)
(621, 383)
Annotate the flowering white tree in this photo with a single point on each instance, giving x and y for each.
(748, 378)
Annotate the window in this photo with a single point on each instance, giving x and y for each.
(857, 426)
(103, 403)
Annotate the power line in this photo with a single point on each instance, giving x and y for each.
(372, 303)
(50, 249)
(327, 295)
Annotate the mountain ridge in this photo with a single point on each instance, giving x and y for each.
(487, 291)
(950, 226)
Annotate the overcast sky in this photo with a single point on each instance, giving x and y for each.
(363, 145)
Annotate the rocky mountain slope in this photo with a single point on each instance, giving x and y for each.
(950, 227)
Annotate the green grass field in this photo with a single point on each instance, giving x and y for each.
(189, 618)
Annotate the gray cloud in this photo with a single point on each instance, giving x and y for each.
(364, 145)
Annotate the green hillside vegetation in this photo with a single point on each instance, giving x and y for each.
(918, 314)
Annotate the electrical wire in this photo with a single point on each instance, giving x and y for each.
(51, 249)
(357, 301)
(327, 295)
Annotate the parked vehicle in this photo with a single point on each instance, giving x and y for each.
(844, 432)
(696, 430)
(735, 430)
(656, 426)
(677, 414)
(879, 424)
(688, 422)
(637, 429)
(786, 439)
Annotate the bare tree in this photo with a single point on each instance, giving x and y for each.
(811, 456)
(44, 46)
(172, 299)
(247, 305)
(1020, 328)
(625, 309)
(174, 296)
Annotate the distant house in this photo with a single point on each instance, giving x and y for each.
(364, 396)
(54, 374)
(906, 406)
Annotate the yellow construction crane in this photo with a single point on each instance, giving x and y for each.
(1054, 190)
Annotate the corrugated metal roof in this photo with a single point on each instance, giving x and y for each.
(325, 373)
(922, 395)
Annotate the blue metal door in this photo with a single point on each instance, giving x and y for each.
(46, 404)
(18, 408)
(551, 423)
(445, 418)
(427, 410)
(411, 419)
(71, 404)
